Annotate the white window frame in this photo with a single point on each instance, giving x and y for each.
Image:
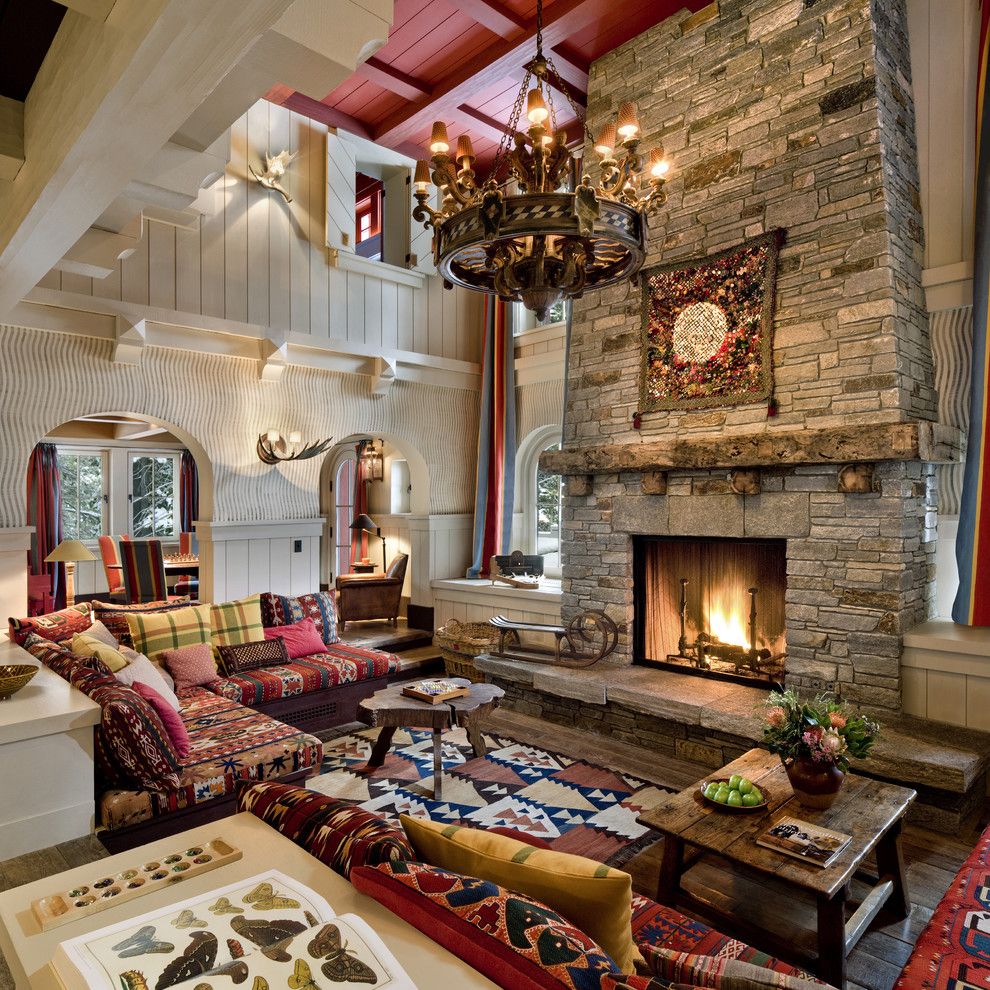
(176, 457)
(105, 498)
(527, 466)
(524, 320)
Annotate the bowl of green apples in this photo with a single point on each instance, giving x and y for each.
(735, 794)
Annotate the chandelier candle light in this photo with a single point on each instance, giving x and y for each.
(539, 244)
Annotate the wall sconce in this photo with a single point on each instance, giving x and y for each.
(274, 448)
(274, 170)
(373, 460)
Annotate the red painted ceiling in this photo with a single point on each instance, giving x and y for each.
(462, 61)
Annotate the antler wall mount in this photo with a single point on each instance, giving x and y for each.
(273, 448)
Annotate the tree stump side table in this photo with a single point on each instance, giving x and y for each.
(391, 709)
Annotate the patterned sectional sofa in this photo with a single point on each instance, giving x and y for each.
(253, 725)
(515, 941)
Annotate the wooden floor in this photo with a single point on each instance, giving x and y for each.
(875, 963)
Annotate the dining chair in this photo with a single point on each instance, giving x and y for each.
(187, 584)
(112, 568)
(144, 571)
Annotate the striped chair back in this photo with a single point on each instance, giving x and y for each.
(187, 584)
(144, 571)
(111, 565)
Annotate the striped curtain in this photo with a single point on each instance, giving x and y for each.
(496, 472)
(359, 538)
(44, 513)
(188, 492)
(972, 604)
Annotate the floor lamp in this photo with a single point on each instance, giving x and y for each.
(367, 524)
(68, 552)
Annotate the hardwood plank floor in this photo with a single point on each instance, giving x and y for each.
(875, 963)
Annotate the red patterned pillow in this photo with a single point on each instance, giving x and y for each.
(114, 615)
(514, 941)
(280, 610)
(250, 656)
(715, 972)
(134, 748)
(60, 660)
(54, 626)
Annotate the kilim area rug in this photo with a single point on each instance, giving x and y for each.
(574, 806)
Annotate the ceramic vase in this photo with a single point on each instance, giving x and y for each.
(815, 785)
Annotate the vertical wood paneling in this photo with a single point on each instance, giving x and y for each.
(299, 246)
(235, 228)
(109, 287)
(356, 327)
(434, 317)
(161, 265)
(237, 558)
(389, 315)
(80, 284)
(279, 574)
(338, 304)
(279, 230)
(212, 267)
(319, 272)
(373, 311)
(134, 273)
(404, 317)
(259, 566)
(259, 203)
(187, 270)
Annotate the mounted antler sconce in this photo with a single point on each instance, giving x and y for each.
(856, 479)
(273, 448)
(274, 170)
(745, 481)
(373, 460)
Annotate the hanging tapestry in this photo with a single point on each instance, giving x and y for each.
(708, 328)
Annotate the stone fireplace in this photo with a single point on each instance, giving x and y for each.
(798, 115)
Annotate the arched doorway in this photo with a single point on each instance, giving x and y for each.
(115, 473)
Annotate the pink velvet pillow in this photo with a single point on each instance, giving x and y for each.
(191, 666)
(302, 639)
(174, 725)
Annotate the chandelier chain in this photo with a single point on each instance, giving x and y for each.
(501, 156)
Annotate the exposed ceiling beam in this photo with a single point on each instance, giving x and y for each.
(481, 122)
(571, 66)
(89, 120)
(381, 73)
(326, 115)
(499, 60)
(494, 16)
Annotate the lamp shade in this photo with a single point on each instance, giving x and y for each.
(364, 521)
(68, 551)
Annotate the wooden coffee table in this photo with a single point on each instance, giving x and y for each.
(870, 811)
(391, 709)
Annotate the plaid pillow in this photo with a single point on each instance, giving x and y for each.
(236, 622)
(114, 616)
(154, 633)
(54, 626)
(251, 656)
(279, 610)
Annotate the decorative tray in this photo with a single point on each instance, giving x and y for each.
(729, 808)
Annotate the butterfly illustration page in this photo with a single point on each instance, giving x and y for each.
(203, 934)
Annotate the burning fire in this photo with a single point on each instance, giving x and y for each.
(728, 627)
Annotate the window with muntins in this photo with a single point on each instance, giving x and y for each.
(84, 493)
(549, 504)
(154, 495)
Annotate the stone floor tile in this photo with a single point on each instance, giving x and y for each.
(79, 852)
(33, 866)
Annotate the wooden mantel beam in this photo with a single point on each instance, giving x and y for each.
(501, 59)
(929, 442)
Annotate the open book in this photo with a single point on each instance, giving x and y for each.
(268, 928)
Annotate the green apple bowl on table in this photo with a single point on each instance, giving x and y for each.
(735, 793)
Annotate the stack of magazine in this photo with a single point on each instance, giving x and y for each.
(266, 932)
(803, 840)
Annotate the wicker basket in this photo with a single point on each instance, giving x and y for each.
(460, 642)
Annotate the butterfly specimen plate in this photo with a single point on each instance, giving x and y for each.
(106, 890)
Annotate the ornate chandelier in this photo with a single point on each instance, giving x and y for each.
(537, 242)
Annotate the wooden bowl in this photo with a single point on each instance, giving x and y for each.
(13, 676)
(742, 810)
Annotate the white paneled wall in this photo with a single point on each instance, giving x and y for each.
(257, 259)
(444, 543)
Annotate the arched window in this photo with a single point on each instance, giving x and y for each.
(549, 512)
(343, 491)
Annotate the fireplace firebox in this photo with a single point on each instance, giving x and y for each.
(712, 607)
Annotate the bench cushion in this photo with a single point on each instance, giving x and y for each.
(339, 665)
(227, 742)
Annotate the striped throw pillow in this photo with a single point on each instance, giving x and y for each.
(236, 622)
(155, 632)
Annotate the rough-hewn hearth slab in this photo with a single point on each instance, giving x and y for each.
(929, 442)
(927, 755)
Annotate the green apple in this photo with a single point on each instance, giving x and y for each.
(758, 794)
(711, 790)
(722, 795)
(734, 782)
(734, 800)
(750, 800)
(745, 786)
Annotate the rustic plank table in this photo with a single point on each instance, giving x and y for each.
(391, 709)
(868, 810)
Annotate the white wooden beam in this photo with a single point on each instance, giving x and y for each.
(107, 97)
(11, 138)
(274, 360)
(382, 376)
(131, 340)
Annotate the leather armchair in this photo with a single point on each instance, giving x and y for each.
(372, 596)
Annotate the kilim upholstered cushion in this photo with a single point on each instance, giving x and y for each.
(152, 633)
(718, 971)
(114, 615)
(59, 659)
(280, 610)
(55, 626)
(953, 950)
(227, 742)
(339, 834)
(302, 676)
(236, 622)
(250, 656)
(513, 940)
